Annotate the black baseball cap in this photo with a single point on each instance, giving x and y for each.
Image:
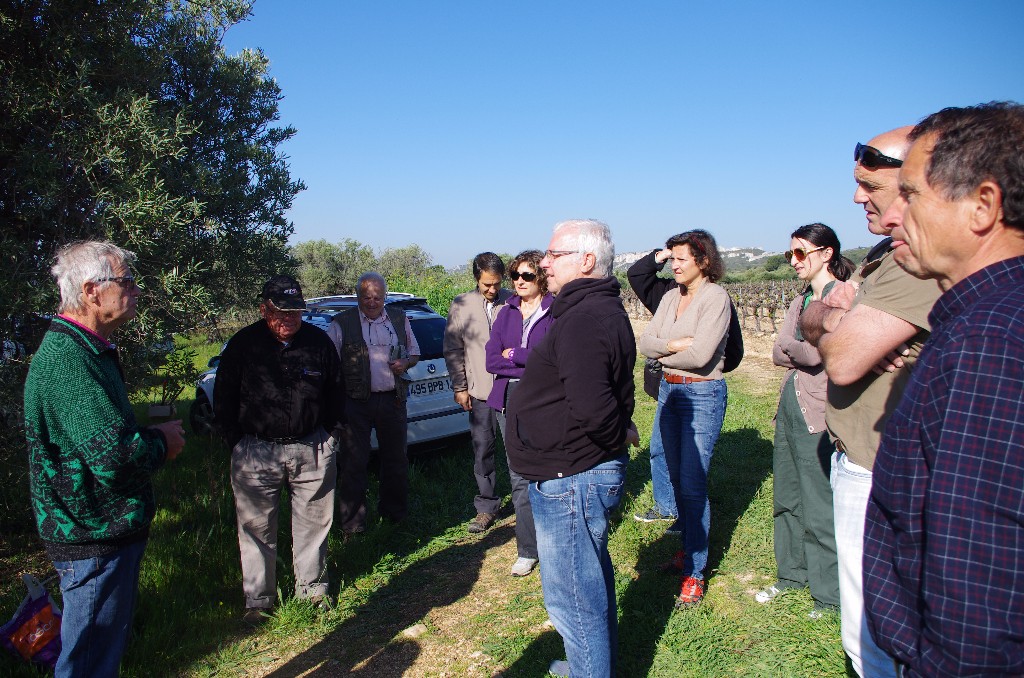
(285, 293)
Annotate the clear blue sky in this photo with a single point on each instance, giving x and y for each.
(475, 125)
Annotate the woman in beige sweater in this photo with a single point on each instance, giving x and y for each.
(688, 335)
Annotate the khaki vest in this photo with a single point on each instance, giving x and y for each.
(355, 356)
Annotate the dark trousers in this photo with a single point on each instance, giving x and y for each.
(526, 530)
(482, 425)
(384, 413)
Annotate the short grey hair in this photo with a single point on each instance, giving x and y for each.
(593, 236)
(370, 277)
(82, 262)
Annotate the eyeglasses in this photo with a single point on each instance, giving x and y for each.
(872, 158)
(800, 253)
(125, 281)
(525, 275)
(554, 254)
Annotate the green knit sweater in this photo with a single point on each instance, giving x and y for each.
(90, 463)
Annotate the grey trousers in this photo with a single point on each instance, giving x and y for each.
(526, 531)
(259, 469)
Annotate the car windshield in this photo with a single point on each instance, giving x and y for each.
(429, 335)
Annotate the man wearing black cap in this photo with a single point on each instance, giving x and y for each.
(278, 401)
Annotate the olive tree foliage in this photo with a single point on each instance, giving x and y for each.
(325, 269)
(126, 120)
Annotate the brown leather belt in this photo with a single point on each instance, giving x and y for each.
(679, 379)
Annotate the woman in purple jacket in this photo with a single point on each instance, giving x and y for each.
(518, 327)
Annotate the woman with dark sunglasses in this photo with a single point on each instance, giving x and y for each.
(521, 323)
(805, 544)
(688, 336)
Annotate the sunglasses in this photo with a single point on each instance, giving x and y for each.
(125, 281)
(525, 275)
(872, 158)
(800, 253)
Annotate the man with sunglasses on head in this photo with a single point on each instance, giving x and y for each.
(278, 402)
(869, 334)
(465, 337)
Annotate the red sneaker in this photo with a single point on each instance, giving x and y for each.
(690, 593)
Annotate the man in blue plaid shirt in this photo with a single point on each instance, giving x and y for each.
(944, 538)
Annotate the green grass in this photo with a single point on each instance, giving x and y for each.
(396, 576)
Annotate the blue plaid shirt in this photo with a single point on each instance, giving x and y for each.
(944, 538)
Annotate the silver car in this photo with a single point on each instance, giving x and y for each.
(432, 411)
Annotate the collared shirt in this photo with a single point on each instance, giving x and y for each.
(382, 343)
(944, 537)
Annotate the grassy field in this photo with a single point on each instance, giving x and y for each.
(426, 598)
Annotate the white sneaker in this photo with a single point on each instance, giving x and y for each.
(523, 567)
(767, 594)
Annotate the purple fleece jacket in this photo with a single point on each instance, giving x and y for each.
(507, 332)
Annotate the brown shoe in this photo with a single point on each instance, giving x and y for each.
(480, 523)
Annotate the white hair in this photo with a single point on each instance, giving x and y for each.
(82, 262)
(370, 277)
(591, 236)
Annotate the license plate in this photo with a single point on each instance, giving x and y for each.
(430, 387)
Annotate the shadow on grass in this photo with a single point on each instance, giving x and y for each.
(191, 601)
(739, 467)
(363, 644)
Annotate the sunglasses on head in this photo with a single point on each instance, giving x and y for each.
(872, 158)
(525, 275)
(800, 253)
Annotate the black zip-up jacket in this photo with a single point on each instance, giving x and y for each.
(649, 289)
(270, 390)
(575, 401)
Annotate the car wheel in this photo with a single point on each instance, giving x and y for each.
(200, 415)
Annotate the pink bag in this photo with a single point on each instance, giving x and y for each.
(34, 631)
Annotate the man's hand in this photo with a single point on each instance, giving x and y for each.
(632, 435)
(462, 398)
(680, 344)
(400, 366)
(174, 434)
(841, 295)
(892, 361)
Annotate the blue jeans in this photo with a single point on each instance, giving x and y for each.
(571, 516)
(99, 600)
(689, 421)
(661, 484)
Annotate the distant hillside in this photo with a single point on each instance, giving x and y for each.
(738, 259)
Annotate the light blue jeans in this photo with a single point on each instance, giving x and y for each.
(571, 516)
(99, 601)
(689, 420)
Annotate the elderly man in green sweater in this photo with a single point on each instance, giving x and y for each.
(90, 462)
